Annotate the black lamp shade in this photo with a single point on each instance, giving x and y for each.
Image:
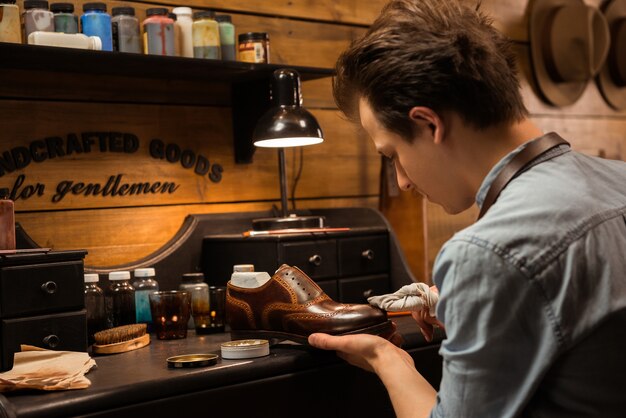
(287, 123)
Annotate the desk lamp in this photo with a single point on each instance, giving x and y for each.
(286, 124)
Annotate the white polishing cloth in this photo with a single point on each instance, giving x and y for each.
(412, 297)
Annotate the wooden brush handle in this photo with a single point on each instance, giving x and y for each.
(122, 347)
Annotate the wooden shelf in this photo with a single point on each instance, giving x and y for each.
(65, 74)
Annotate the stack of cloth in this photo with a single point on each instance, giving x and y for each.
(36, 368)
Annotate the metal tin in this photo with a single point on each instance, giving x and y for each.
(192, 360)
(240, 349)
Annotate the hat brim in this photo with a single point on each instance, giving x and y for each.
(555, 92)
(614, 95)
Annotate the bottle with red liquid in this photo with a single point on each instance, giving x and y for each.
(7, 221)
(158, 32)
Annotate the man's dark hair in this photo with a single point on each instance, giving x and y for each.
(435, 53)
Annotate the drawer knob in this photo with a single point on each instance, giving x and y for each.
(51, 341)
(316, 259)
(49, 287)
(368, 254)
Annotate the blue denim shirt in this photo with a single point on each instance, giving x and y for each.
(529, 280)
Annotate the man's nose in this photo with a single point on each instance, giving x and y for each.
(403, 181)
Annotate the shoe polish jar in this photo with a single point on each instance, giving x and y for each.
(37, 17)
(10, 26)
(65, 20)
(94, 305)
(144, 283)
(254, 47)
(119, 297)
(200, 314)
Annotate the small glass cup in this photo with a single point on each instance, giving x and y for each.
(200, 310)
(170, 310)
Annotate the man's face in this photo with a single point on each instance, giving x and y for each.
(421, 165)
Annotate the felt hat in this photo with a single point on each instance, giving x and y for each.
(569, 42)
(612, 77)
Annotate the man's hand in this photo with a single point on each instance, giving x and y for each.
(427, 322)
(362, 350)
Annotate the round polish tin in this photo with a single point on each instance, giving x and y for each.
(192, 360)
(240, 349)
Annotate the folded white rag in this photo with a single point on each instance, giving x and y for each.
(412, 297)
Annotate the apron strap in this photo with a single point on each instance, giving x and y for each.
(517, 165)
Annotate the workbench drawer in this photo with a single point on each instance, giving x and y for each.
(363, 255)
(41, 288)
(64, 331)
(318, 259)
(358, 289)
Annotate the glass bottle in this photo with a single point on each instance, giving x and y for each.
(10, 26)
(144, 284)
(37, 17)
(199, 290)
(95, 21)
(125, 30)
(174, 17)
(227, 37)
(94, 305)
(158, 32)
(120, 300)
(206, 35)
(65, 20)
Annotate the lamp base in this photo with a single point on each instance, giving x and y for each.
(290, 222)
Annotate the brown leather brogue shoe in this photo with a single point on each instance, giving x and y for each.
(291, 306)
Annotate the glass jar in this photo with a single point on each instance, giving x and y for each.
(94, 305)
(37, 17)
(199, 290)
(125, 30)
(120, 300)
(254, 47)
(65, 20)
(206, 35)
(158, 32)
(144, 283)
(227, 37)
(95, 21)
(10, 26)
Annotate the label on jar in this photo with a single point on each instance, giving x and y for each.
(254, 52)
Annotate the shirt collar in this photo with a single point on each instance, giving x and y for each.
(495, 170)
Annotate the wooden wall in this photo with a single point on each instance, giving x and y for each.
(343, 171)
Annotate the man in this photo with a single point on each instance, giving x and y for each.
(533, 295)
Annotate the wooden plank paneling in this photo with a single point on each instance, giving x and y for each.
(204, 131)
(122, 235)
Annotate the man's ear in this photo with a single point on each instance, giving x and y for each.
(428, 121)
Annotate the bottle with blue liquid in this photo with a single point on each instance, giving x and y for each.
(95, 21)
(144, 283)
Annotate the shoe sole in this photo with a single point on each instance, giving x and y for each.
(277, 336)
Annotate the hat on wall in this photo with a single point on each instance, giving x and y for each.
(612, 77)
(569, 42)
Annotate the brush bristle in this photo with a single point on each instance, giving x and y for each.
(119, 334)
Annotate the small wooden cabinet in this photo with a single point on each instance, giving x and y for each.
(41, 302)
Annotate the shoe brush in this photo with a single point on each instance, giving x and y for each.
(120, 339)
